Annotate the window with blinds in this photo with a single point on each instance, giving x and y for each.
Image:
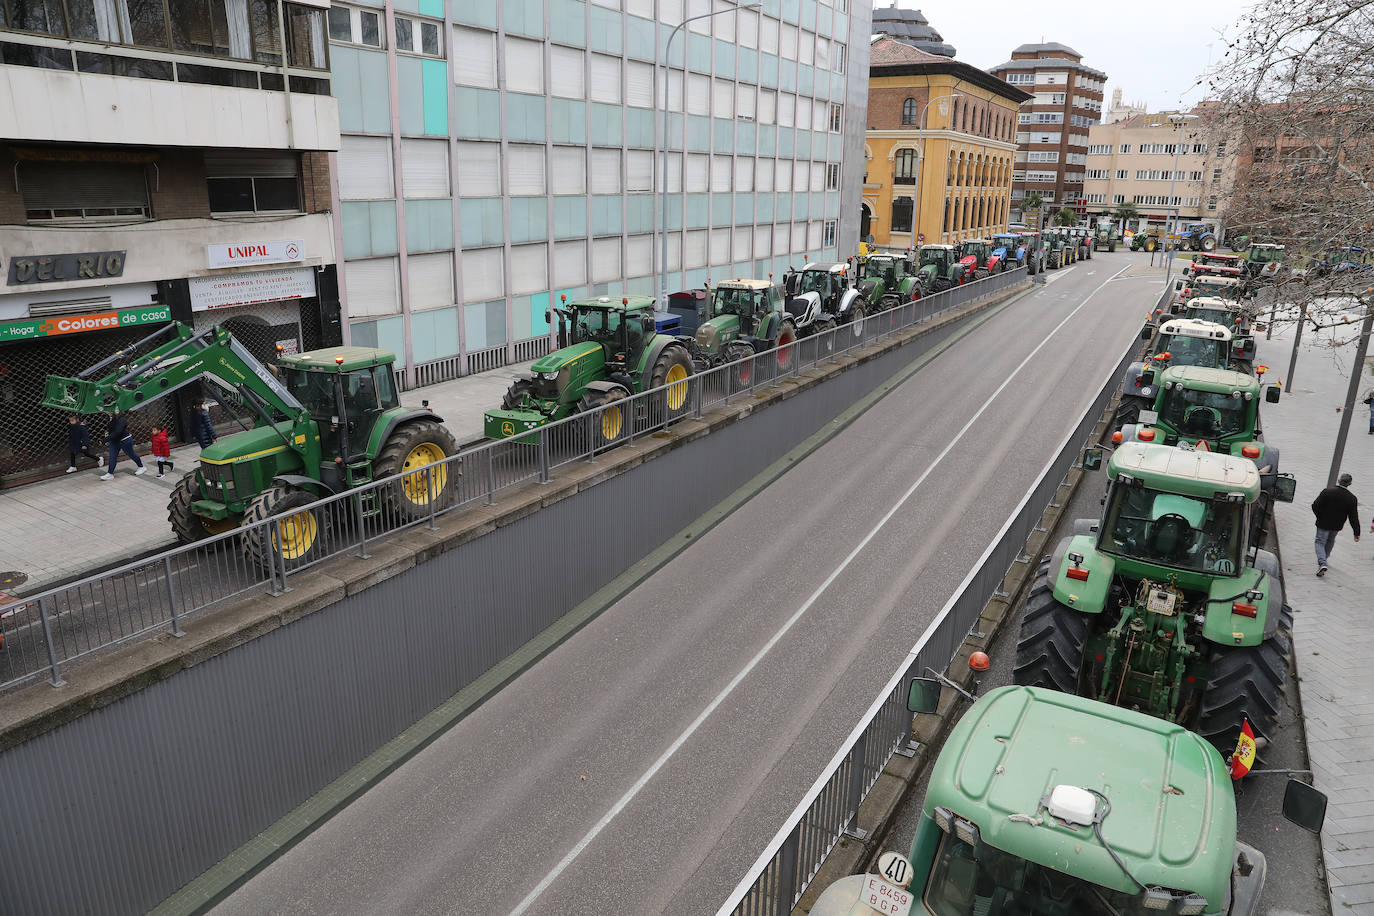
(674, 173)
(606, 171)
(639, 170)
(743, 243)
(698, 168)
(722, 99)
(606, 260)
(253, 182)
(569, 170)
(698, 94)
(782, 175)
(768, 35)
(605, 85)
(817, 176)
(524, 65)
(639, 84)
(720, 246)
(84, 191)
(744, 174)
(787, 110)
(725, 25)
(763, 175)
(782, 234)
(768, 106)
(525, 167)
(639, 255)
(746, 101)
(570, 81)
(813, 235)
(695, 254)
(474, 57)
(430, 280)
(801, 175)
(799, 238)
(570, 263)
(763, 241)
(424, 168)
(747, 25)
(483, 274)
(373, 287)
(804, 113)
(529, 269)
(721, 169)
(674, 251)
(480, 171)
(365, 168)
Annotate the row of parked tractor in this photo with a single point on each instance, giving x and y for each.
(1153, 652)
(610, 348)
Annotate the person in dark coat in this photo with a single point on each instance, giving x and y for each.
(79, 443)
(201, 428)
(121, 440)
(1333, 507)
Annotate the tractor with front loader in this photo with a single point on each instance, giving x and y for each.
(1164, 606)
(327, 421)
(608, 349)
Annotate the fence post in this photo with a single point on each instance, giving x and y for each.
(630, 419)
(172, 596)
(362, 535)
(282, 553)
(856, 786)
(697, 395)
(543, 455)
(491, 478)
(787, 869)
(430, 496)
(52, 650)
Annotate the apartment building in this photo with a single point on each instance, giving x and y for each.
(500, 154)
(162, 160)
(940, 147)
(1162, 163)
(1052, 137)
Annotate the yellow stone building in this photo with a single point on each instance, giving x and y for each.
(941, 148)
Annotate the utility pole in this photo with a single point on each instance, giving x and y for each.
(1297, 340)
(1352, 392)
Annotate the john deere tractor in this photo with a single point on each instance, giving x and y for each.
(1164, 606)
(608, 350)
(939, 268)
(1105, 236)
(331, 422)
(1179, 342)
(747, 317)
(887, 280)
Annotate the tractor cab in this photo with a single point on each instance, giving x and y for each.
(622, 329)
(1190, 342)
(1212, 405)
(345, 390)
(940, 257)
(887, 269)
(825, 280)
(980, 250)
(1264, 260)
(1220, 311)
(748, 300)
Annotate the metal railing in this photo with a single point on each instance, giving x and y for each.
(830, 808)
(46, 632)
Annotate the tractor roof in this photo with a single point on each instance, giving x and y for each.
(1215, 280)
(1213, 302)
(1206, 378)
(740, 283)
(1265, 245)
(838, 268)
(615, 303)
(1177, 470)
(1213, 256)
(937, 247)
(1195, 327)
(342, 359)
(1173, 814)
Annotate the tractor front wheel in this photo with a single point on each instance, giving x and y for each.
(1244, 683)
(611, 424)
(824, 332)
(673, 372)
(295, 536)
(1209, 243)
(187, 525)
(1151, 244)
(515, 395)
(1050, 648)
(742, 372)
(408, 452)
(856, 322)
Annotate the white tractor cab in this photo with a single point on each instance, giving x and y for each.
(1225, 312)
(1179, 342)
(1188, 288)
(821, 296)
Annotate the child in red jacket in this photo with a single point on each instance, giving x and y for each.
(162, 451)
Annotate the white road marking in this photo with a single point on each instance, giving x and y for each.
(744, 672)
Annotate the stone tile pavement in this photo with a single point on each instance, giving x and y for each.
(74, 525)
(1334, 621)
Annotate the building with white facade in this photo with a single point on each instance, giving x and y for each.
(499, 154)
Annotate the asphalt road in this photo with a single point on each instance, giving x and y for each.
(644, 764)
(1294, 856)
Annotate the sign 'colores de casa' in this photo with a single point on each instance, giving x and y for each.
(56, 325)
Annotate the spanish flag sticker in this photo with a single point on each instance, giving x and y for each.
(1244, 757)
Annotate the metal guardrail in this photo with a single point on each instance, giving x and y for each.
(792, 859)
(46, 632)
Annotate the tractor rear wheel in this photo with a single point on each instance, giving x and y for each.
(673, 371)
(514, 398)
(409, 451)
(1244, 683)
(1051, 645)
(1128, 410)
(1209, 243)
(785, 350)
(742, 373)
(856, 323)
(187, 525)
(613, 423)
(295, 536)
(824, 332)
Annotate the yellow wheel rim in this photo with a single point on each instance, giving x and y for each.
(296, 534)
(612, 421)
(677, 387)
(413, 483)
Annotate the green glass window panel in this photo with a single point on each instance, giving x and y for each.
(479, 113)
(606, 28)
(725, 60)
(640, 38)
(523, 17)
(529, 219)
(360, 84)
(803, 144)
(391, 335)
(606, 124)
(745, 135)
(725, 135)
(641, 286)
(411, 94)
(539, 306)
(569, 217)
(568, 22)
(407, 6)
(747, 65)
(787, 76)
(433, 8)
(364, 333)
(720, 208)
(639, 127)
(639, 212)
(496, 323)
(782, 205)
(605, 214)
(700, 46)
(786, 142)
(837, 87)
(475, 326)
(429, 225)
(768, 70)
(698, 133)
(806, 79)
(524, 116)
(434, 334)
(832, 204)
(369, 228)
(520, 317)
(483, 14)
(674, 211)
(698, 210)
(763, 208)
(807, 18)
(801, 206)
(569, 120)
(481, 222)
(791, 10)
(768, 139)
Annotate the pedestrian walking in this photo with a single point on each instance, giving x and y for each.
(121, 440)
(201, 427)
(1369, 401)
(79, 443)
(1333, 507)
(162, 451)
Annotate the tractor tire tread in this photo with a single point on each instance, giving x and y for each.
(1244, 682)
(185, 523)
(1053, 638)
(391, 459)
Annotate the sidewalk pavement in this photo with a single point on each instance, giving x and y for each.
(67, 527)
(1334, 619)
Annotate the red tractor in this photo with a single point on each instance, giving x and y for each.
(981, 258)
(1215, 265)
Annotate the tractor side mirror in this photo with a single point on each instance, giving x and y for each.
(1271, 394)
(548, 316)
(924, 695)
(1092, 458)
(1304, 805)
(1285, 488)
(1147, 332)
(1178, 286)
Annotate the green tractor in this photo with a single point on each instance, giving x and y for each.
(608, 349)
(331, 422)
(1164, 606)
(1149, 240)
(1058, 251)
(887, 281)
(1179, 342)
(746, 317)
(1053, 805)
(1264, 263)
(939, 268)
(1105, 236)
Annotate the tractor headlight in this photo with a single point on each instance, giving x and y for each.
(1193, 903)
(1157, 898)
(944, 819)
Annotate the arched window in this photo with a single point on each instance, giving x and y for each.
(954, 116)
(909, 111)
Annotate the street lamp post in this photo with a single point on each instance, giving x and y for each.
(921, 157)
(1178, 120)
(662, 195)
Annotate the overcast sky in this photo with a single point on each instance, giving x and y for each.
(1153, 50)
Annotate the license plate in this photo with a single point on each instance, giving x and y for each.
(885, 898)
(1148, 418)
